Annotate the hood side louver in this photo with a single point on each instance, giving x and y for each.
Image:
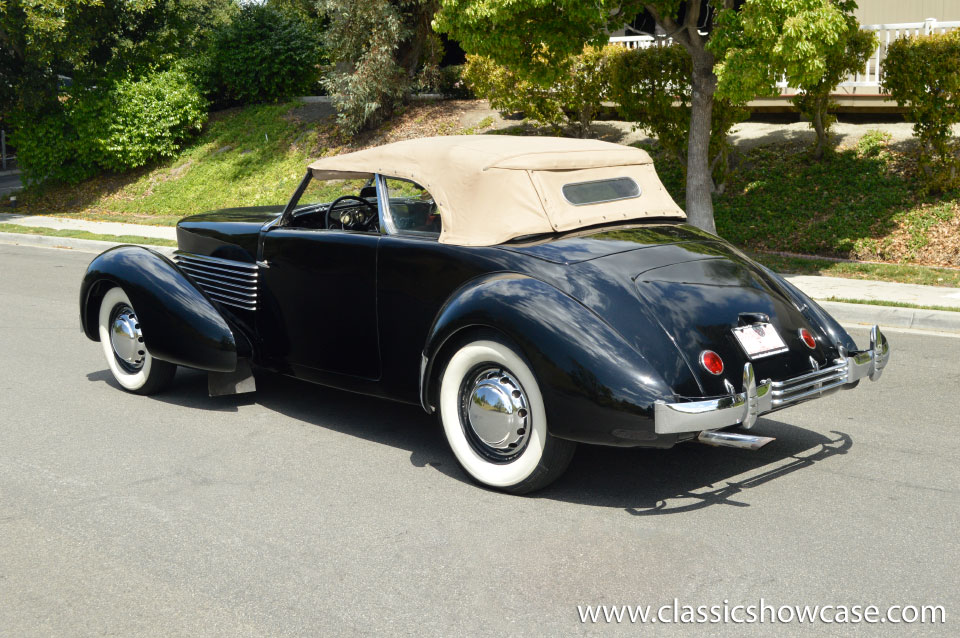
(229, 282)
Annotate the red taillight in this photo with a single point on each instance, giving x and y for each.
(808, 339)
(711, 362)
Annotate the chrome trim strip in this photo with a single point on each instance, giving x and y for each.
(231, 301)
(755, 400)
(840, 374)
(215, 276)
(226, 262)
(810, 375)
(206, 284)
(241, 276)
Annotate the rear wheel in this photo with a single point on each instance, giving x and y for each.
(492, 413)
(132, 366)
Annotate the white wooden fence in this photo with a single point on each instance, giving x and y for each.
(870, 78)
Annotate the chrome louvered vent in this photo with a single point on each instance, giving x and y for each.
(232, 283)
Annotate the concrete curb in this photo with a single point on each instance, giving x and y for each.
(92, 246)
(845, 313)
(893, 317)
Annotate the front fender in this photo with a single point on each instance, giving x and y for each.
(179, 323)
(596, 387)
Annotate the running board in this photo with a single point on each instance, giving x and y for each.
(733, 439)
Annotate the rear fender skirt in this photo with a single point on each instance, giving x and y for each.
(180, 324)
(594, 384)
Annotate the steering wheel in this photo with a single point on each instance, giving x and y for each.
(351, 220)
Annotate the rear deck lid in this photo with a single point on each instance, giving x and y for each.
(699, 303)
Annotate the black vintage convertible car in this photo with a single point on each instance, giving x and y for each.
(534, 292)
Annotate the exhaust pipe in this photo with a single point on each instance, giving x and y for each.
(733, 439)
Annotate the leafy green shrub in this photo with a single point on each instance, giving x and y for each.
(873, 143)
(263, 55)
(573, 100)
(923, 76)
(451, 83)
(48, 148)
(652, 89)
(139, 121)
(115, 127)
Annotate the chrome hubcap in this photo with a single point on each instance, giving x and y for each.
(126, 338)
(495, 413)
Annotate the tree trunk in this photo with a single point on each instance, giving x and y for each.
(699, 202)
(818, 114)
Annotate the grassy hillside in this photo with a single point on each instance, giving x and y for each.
(860, 202)
(250, 156)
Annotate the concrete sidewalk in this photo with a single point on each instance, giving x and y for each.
(100, 228)
(841, 288)
(819, 288)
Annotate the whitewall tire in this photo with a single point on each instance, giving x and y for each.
(128, 359)
(492, 413)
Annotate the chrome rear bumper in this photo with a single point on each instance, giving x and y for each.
(757, 399)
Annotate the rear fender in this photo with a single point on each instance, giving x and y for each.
(814, 313)
(596, 387)
(179, 323)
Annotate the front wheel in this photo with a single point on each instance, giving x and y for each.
(122, 340)
(492, 413)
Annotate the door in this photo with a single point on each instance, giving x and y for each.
(319, 301)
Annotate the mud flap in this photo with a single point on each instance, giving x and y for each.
(239, 381)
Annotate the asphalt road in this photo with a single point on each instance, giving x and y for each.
(306, 511)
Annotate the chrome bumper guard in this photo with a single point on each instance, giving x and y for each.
(757, 399)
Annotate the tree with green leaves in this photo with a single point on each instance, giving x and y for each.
(535, 36)
(377, 50)
(651, 89)
(571, 102)
(90, 85)
(306, 9)
(264, 54)
(813, 44)
(90, 40)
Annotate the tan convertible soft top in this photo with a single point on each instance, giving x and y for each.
(493, 188)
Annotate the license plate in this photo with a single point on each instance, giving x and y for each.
(760, 340)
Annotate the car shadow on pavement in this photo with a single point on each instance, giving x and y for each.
(643, 482)
(400, 425)
(189, 390)
(691, 476)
